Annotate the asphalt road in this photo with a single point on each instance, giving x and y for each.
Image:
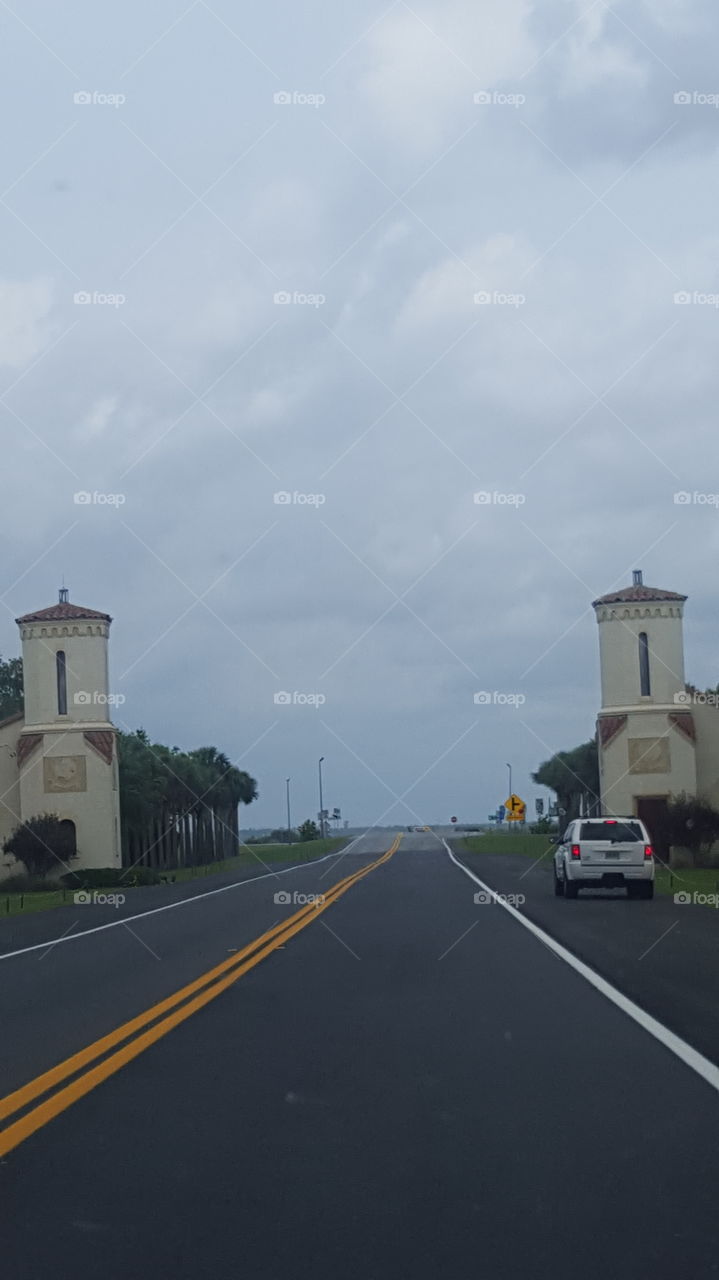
(411, 1085)
(663, 955)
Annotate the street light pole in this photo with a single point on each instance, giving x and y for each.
(322, 807)
(289, 820)
(510, 787)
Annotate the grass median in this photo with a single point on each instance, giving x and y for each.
(500, 842)
(252, 855)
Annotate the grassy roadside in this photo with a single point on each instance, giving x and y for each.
(667, 882)
(257, 854)
(14, 904)
(687, 880)
(497, 842)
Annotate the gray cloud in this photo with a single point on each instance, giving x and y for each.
(396, 398)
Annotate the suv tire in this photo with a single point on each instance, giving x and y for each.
(570, 888)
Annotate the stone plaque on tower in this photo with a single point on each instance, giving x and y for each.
(64, 773)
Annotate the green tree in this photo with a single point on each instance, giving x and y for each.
(11, 687)
(281, 835)
(308, 830)
(226, 788)
(142, 793)
(178, 808)
(41, 844)
(573, 776)
(542, 827)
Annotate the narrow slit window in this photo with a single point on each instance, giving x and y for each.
(644, 665)
(61, 683)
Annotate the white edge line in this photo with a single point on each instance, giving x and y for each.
(690, 1057)
(170, 906)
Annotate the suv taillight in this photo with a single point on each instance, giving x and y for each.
(648, 851)
(575, 850)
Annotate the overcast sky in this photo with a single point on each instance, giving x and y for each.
(389, 168)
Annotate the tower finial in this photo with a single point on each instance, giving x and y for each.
(64, 595)
(637, 578)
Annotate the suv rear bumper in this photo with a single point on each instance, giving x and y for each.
(610, 877)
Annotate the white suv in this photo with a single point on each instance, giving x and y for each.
(604, 853)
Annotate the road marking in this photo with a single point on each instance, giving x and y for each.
(20, 1098)
(171, 906)
(690, 1057)
(203, 990)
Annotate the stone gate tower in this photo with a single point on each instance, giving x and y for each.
(645, 733)
(66, 750)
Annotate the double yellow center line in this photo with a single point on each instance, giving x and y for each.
(159, 1019)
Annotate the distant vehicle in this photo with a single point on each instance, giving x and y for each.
(604, 853)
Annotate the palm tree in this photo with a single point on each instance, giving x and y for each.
(142, 793)
(178, 808)
(228, 787)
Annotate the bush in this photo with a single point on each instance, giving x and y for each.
(41, 844)
(136, 877)
(110, 878)
(26, 884)
(692, 824)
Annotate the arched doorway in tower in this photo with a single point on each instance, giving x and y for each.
(69, 839)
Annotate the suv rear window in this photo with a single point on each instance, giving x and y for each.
(611, 831)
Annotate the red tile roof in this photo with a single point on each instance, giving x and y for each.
(630, 595)
(64, 612)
